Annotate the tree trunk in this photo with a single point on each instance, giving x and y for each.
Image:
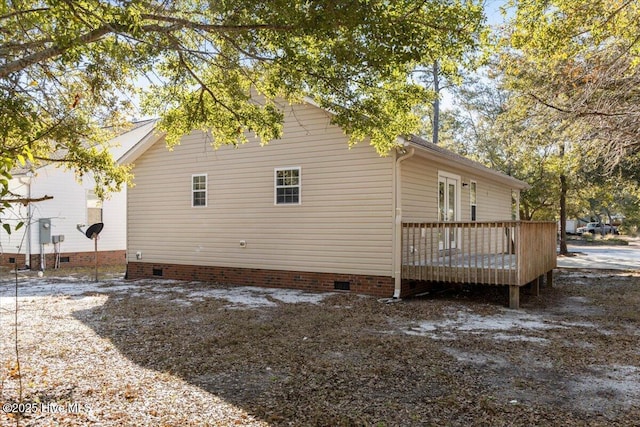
(563, 207)
(436, 103)
(563, 215)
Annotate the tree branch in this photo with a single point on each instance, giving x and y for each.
(23, 12)
(26, 200)
(204, 87)
(43, 55)
(98, 33)
(185, 23)
(577, 113)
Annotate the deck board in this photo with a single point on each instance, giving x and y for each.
(494, 253)
(465, 268)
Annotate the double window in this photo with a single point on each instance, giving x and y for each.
(199, 190)
(287, 186)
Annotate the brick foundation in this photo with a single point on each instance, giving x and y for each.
(10, 260)
(67, 259)
(379, 286)
(82, 259)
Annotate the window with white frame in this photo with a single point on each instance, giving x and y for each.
(287, 186)
(94, 208)
(473, 195)
(199, 190)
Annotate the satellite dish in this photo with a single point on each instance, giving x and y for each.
(94, 230)
(92, 233)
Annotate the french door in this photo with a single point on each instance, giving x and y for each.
(448, 204)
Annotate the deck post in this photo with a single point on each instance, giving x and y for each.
(535, 286)
(514, 297)
(550, 278)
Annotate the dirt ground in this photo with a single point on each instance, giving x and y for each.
(167, 353)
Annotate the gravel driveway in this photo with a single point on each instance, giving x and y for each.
(602, 257)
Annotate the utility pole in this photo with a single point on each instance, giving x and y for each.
(563, 205)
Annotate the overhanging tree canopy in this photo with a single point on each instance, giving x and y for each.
(66, 67)
(579, 61)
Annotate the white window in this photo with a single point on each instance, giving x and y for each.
(94, 208)
(287, 186)
(199, 190)
(473, 195)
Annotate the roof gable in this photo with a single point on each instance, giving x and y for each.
(118, 146)
(423, 146)
(427, 148)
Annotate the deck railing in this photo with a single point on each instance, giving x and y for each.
(495, 253)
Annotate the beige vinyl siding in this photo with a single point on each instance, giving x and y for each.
(420, 192)
(344, 223)
(494, 202)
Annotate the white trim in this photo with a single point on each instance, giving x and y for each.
(141, 146)
(397, 224)
(471, 204)
(206, 190)
(275, 185)
(449, 175)
(447, 241)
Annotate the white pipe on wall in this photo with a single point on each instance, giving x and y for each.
(397, 235)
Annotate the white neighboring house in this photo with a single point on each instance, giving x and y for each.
(53, 234)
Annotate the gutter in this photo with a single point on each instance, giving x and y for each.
(397, 235)
(434, 151)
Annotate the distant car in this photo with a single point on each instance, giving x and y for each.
(597, 228)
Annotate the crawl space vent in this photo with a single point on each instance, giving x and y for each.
(341, 286)
(157, 272)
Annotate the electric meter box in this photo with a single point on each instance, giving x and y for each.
(45, 230)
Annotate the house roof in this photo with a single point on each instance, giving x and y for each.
(123, 143)
(424, 148)
(429, 149)
(130, 153)
(118, 145)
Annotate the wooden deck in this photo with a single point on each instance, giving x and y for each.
(508, 253)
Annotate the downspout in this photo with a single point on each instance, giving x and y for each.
(397, 236)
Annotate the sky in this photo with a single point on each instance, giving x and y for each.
(492, 11)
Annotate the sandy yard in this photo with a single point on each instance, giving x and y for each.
(167, 353)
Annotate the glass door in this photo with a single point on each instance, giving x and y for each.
(448, 209)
